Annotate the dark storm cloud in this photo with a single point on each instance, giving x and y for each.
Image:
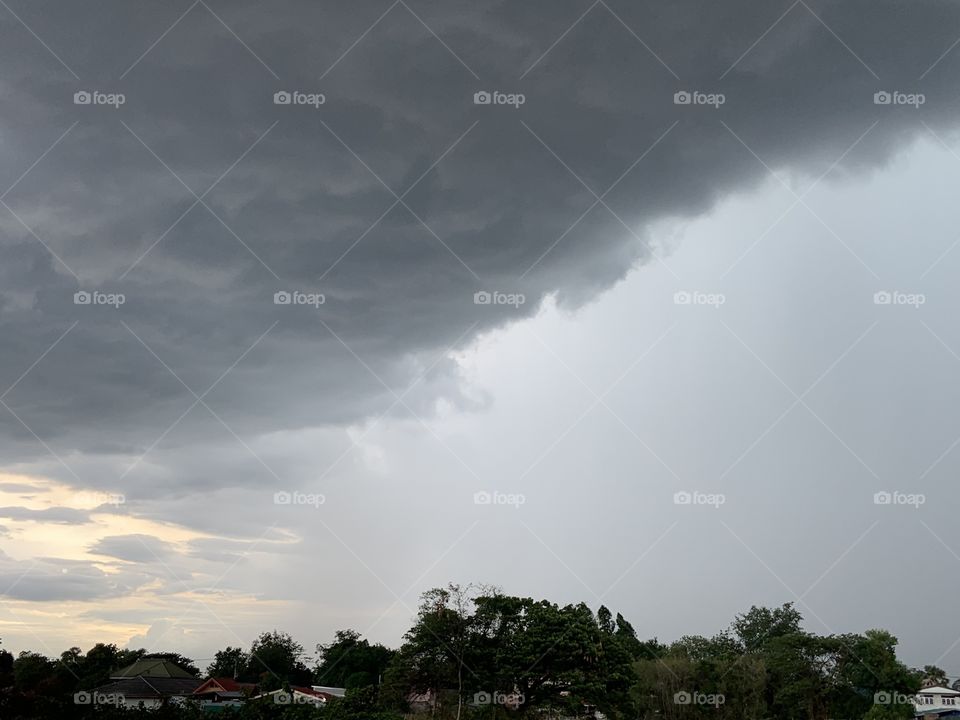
(398, 199)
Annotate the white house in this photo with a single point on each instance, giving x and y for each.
(937, 702)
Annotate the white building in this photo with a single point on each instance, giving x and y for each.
(937, 702)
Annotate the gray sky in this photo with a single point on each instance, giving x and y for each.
(749, 303)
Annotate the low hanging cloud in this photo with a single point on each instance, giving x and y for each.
(196, 259)
(136, 548)
(55, 515)
(56, 580)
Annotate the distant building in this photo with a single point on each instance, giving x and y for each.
(149, 683)
(221, 692)
(335, 691)
(937, 702)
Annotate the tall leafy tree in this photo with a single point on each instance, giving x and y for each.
(32, 672)
(759, 625)
(275, 659)
(231, 662)
(442, 644)
(931, 675)
(351, 661)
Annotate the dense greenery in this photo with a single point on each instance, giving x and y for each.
(352, 662)
(475, 653)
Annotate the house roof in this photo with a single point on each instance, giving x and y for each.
(142, 687)
(335, 691)
(225, 685)
(152, 668)
(938, 690)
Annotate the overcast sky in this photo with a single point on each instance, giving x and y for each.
(718, 366)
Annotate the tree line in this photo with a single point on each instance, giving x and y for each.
(474, 653)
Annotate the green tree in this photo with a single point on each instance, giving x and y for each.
(556, 658)
(351, 661)
(890, 712)
(932, 675)
(94, 668)
(868, 666)
(759, 625)
(442, 643)
(804, 675)
(275, 659)
(32, 671)
(231, 662)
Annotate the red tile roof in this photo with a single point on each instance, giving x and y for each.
(225, 684)
(314, 693)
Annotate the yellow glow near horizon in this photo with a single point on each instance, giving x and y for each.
(32, 538)
(50, 627)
